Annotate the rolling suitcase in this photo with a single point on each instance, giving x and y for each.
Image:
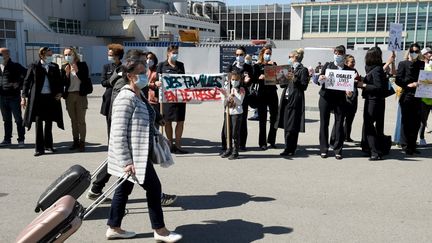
(62, 219)
(73, 182)
(55, 224)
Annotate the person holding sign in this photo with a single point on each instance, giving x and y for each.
(332, 100)
(233, 99)
(426, 104)
(245, 70)
(407, 77)
(267, 95)
(292, 104)
(173, 112)
(374, 88)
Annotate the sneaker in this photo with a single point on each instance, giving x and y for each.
(233, 156)
(226, 154)
(5, 143)
(21, 144)
(92, 195)
(167, 200)
(111, 234)
(422, 142)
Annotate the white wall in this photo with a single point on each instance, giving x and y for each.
(296, 26)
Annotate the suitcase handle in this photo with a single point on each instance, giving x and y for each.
(99, 168)
(104, 195)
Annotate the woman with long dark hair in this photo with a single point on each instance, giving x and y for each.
(407, 76)
(374, 88)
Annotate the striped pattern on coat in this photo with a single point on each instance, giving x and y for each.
(130, 134)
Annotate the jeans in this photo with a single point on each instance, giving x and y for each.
(153, 192)
(11, 105)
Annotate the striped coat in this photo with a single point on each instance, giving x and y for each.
(130, 134)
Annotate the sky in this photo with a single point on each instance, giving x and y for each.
(257, 2)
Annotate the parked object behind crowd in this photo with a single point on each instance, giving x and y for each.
(75, 75)
(11, 81)
(292, 103)
(40, 96)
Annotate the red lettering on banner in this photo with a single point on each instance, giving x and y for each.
(170, 96)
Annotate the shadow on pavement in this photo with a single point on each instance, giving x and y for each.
(233, 230)
(224, 199)
(195, 145)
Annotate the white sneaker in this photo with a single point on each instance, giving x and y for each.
(172, 237)
(422, 142)
(112, 234)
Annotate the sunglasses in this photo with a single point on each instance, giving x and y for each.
(412, 51)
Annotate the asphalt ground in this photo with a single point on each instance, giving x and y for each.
(260, 197)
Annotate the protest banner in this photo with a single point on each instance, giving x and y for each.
(191, 88)
(395, 37)
(424, 87)
(277, 74)
(339, 79)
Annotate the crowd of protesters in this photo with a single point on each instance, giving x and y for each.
(132, 94)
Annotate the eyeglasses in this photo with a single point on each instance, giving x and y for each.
(416, 51)
(239, 55)
(290, 56)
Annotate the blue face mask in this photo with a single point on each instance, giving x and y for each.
(141, 81)
(111, 59)
(248, 62)
(338, 59)
(49, 59)
(290, 62)
(1, 59)
(267, 57)
(240, 59)
(174, 57)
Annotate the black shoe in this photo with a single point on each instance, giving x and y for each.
(243, 148)
(233, 156)
(173, 149)
(409, 152)
(272, 145)
(167, 199)
(375, 158)
(338, 157)
(226, 154)
(416, 151)
(264, 147)
(253, 118)
(36, 154)
(181, 151)
(52, 150)
(324, 155)
(286, 153)
(349, 140)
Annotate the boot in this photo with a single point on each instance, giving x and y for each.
(75, 145)
(81, 146)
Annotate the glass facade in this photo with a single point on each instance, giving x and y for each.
(370, 17)
(68, 26)
(252, 22)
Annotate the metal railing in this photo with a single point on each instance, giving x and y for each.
(137, 11)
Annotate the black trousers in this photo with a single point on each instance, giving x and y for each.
(153, 190)
(235, 125)
(291, 141)
(101, 180)
(325, 107)
(44, 138)
(349, 119)
(243, 127)
(373, 125)
(268, 98)
(425, 110)
(410, 121)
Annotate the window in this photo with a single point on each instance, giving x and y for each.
(381, 17)
(333, 18)
(307, 19)
(352, 18)
(153, 31)
(371, 17)
(315, 19)
(324, 18)
(391, 15)
(68, 26)
(170, 25)
(361, 23)
(343, 12)
(7, 29)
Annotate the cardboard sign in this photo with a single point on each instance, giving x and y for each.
(339, 79)
(191, 88)
(277, 74)
(395, 37)
(424, 88)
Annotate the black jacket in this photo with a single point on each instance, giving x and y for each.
(86, 86)
(408, 72)
(330, 94)
(258, 69)
(11, 79)
(107, 72)
(376, 83)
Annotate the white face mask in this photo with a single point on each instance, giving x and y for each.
(235, 83)
(240, 59)
(69, 59)
(111, 59)
(49, 59)
(1, 59)
(430, 62)
(150, 63)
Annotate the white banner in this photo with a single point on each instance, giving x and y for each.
(424, 87)
(395, 37)
(339, 79)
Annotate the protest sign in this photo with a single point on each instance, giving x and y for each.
(424, 87)
(277, 74)
(395, 37)
(191, 88)
(339, 79)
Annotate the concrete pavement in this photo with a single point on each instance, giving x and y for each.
(258, 198)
